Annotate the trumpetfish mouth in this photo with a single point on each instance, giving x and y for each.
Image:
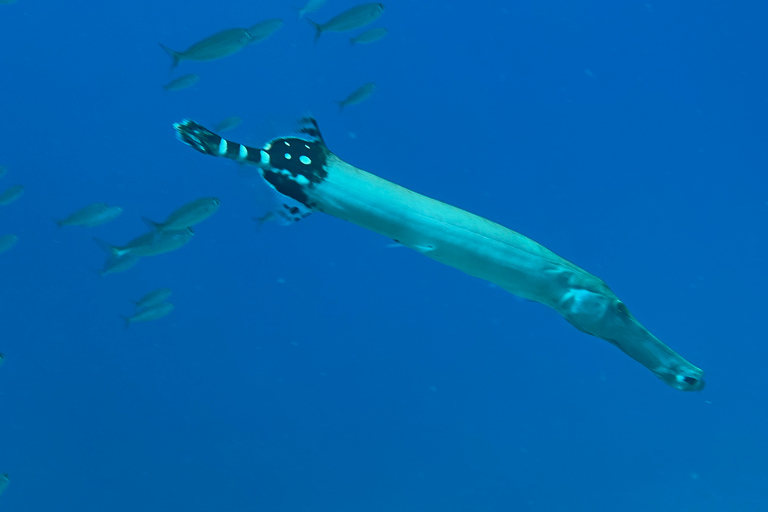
(303, 169)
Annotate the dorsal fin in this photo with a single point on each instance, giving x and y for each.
(308, 126)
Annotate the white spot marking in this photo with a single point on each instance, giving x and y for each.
(223, 147)
(302, 180)
(268, 146)
(305, 159)
(243, 152)
(264, 157)
(288, 156)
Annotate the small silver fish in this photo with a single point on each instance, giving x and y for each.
(153, 298)
(149, 244)
(228, 123)
(311, 6)
(183, 82)
(369, 36)
(263, 30)
(4, 481)
(11, 194)
(214, 47)
(117, 264)
(7, 242)
(152, 313)
(188, 215)
(361, 94)
(92, 215)
(350, 19)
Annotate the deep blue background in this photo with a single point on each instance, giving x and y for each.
(312, 367)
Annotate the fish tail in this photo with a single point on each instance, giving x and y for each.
(174, 55)
(108, 248)
(341, 106)
(126, 321)
(318, 29)
(151, 224)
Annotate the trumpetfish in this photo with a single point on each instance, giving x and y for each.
(303, 169)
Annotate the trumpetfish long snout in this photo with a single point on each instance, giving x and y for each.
(304, 169)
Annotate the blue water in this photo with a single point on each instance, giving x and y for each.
(312, 368)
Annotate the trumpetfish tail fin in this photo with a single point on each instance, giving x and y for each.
(207, 142)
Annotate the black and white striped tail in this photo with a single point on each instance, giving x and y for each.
(290, 165)
(208, 143)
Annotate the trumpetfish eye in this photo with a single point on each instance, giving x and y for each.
(291, 165)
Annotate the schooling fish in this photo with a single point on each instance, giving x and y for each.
(228, 123)
(149, 244)
(214, 47)
(117, 264)
(361, 94)
(188, 215)
(95, 214)
(152, 313)
(311, 6)
(11, 194)
(7, 242)
(183, 82)
(304, 169)
(264, 29)
(369, 36)
(350, 19)
(153, 298)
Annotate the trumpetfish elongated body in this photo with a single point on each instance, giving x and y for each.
(305, 170)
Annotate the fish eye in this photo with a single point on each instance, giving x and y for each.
(688, 383)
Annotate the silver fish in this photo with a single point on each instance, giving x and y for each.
(214, 47)
(264, 29)
(146, 315)
(307, 171)
(153, 298)
(369, 36)
(361, 94)
(350, 19)
(4, 481)
(188, 215)
(183, 82)
(116, 264)
(228, 123)
(92, 215)
(7, 242)
(311, 6)
(11, 194)
(149, 244)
